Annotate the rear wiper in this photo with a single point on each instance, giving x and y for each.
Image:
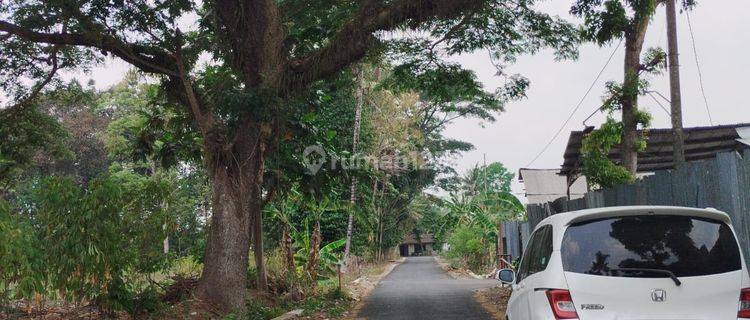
(662, 271)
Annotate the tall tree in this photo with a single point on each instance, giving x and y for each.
(491, 178)
(360, 88)
(628, 20)
(263, 55)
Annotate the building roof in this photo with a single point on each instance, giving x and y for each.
(425, 239)
(546, 185)
(700, 143)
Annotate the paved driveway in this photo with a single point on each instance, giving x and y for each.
(419, 289)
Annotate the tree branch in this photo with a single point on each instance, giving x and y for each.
(204, 120)
(147, 58)
(40, 85)
(356, 36)
(452, 31)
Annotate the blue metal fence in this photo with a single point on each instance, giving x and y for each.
(722, 183)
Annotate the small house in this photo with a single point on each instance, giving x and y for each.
(417, 245)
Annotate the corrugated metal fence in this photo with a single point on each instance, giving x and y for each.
(722, 183)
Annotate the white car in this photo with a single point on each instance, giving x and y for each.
(631, 263)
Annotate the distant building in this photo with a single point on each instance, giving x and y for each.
(547, 185)
(412, 245)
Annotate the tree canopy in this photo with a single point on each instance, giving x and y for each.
(241, 79)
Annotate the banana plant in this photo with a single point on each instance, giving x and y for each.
(317, 209)
(328, 255)
(282, 211)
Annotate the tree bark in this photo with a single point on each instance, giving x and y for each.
(236, 172)
(224, 279)
(633, 48)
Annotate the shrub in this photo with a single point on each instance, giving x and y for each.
(21, 263)
(468, 248)
(95, 237)
(186, 267)
(86, 245)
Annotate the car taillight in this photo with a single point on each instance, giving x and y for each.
(744, 311)
(562, 304)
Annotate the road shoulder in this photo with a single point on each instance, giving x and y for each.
(494, 300)
(360, 288)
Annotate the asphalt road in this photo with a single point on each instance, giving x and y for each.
(419, 289)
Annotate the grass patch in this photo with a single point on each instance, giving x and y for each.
(257, 310)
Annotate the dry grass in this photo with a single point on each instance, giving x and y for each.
(494, 300)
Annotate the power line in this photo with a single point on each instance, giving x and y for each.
(698, 66)
(659, 103)
(580, 103)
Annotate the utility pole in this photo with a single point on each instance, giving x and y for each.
(674, 85)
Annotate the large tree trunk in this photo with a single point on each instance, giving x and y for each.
(236, 219)
(633, 48)
(224, 279)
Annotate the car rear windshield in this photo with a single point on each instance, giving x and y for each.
(686, 246)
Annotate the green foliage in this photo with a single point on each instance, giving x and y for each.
(148, 128)
(21, 266)
(469, 248)
(494, 178)
(332, 303)
(302, 105)
(596, 165)
(471, 220)
(329, 257)
(612, 19)
(87, 255)
(98, 241)
(605, 23)
(655, 61)
(23, 134)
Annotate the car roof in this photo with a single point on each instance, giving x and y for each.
(568, 218)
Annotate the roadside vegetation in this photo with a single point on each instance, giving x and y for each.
(468, 223)
(105, 206)
(246, 158)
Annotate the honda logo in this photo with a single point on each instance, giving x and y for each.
(658, 295)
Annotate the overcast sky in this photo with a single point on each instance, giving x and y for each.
(722, 35)
(723, 42)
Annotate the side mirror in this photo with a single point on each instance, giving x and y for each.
(506, 276)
